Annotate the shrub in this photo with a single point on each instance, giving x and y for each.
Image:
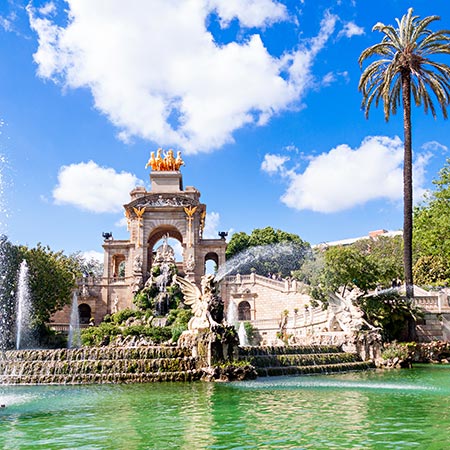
(123, 315)
(249, 331)
(100, 335)
(395, 350)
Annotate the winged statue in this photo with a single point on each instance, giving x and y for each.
(200, 301)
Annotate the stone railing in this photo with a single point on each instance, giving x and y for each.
(283, 285)
(64, 327)
(433, 303)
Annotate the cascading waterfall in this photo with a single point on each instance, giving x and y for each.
(74, 340)
(24, 309)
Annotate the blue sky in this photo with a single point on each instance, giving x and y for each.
(261, 97)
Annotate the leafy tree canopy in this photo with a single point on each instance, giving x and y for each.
(387, 254)
(87, 266)
(52, 279)
(432, 231)
(365, 264)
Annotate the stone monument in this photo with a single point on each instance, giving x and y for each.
(167, 211)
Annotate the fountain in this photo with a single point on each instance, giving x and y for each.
(242, 334)
(24, 310)
(74, 340)
(232, 316)
(285, 254)
(165, 260)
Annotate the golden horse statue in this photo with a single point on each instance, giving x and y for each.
(166, 163)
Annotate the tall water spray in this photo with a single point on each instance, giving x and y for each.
(242, 334)
(74, 340)
(24, 309)
(232, 313)
(263, 258)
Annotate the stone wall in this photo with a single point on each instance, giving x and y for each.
(435, 324)
(268, 298)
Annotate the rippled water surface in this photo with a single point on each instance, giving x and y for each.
(371, 410)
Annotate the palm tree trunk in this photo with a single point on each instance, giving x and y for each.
(407, 185)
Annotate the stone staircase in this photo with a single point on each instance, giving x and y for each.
(299, 360)
(98, 365)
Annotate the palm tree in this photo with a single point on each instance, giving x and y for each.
(403, 68)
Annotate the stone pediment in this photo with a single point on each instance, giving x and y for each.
(162, 200)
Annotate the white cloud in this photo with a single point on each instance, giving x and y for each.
(328, 79)
(435, 146)
(121, 223)
(346, 177)
(6, 23)
(419, 171)
(351, 29)
(156, 71)
(93, 188)
(177, 249)
(212, 222)
(273, 163)
(48, 9)
(250, 13)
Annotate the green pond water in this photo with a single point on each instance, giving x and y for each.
(399, 409)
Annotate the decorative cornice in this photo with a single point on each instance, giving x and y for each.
(162, 200)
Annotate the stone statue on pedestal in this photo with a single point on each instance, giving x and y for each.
(206, 305)
(211, 339)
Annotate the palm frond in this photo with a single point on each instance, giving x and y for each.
(406, 51)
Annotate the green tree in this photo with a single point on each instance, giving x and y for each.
(386, 252)
(404, 69)
(432, 231)
(391, 312)
(87, 266)
(339, 269)
(52, 279)
(238, 243)
(347, 267)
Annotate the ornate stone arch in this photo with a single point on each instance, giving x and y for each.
(158, 233)
(211, 256)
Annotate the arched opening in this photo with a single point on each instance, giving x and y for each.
(211, 263)
(175, 240)
(118, 266)
(244, 311)
(121, 270)
(84, 312)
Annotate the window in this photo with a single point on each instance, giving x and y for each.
(84, 312)
(244, 311)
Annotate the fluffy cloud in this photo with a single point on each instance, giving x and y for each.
(346, 177)
(156, 72)
(250, 13)
(435, 146)
(273, 163)
(212, 222)
(94, 188)
(351, 29)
